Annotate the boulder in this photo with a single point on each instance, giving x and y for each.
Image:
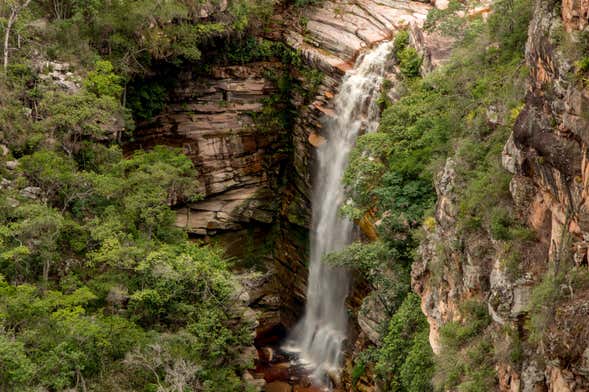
(31, 192)
(278, 386)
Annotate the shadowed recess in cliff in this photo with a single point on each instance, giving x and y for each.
(319, 336)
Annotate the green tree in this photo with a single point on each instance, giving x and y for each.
(403, 346)
(102, 81)
(16, 369)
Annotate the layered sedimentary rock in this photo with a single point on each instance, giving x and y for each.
(210, 118)
(333, 34)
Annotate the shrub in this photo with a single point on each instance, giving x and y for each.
(102, 81)
(501, 221)
(407, 57)
(417, 370)
(543, 300)
(466, 362)
(410, 62)
(400, 42)
(404, 359)
(146, 98)
(456, 334)
(16, 369)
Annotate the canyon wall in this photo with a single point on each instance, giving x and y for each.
(547, 156)
(256, 183)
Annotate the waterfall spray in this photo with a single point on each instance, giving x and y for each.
(319, 336)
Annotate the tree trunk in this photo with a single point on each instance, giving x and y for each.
(46, 266)
(11, 20)
(14, 11)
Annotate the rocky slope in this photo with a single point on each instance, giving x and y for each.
(547, 155)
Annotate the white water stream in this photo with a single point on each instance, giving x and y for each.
(319, 336)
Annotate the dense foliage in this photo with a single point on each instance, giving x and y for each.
(406, 359)
(98, 289)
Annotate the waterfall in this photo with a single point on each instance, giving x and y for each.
(320, 334)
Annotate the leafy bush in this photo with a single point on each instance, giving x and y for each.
(16, 368)
(102, 81)
(146, 98)
(408, 58)
(466, 362)
(404, 360)
(380, 268)
(410, 62)
(456, 334)
(400, 42)
(449, 21)
(417, 371)
(542, 304)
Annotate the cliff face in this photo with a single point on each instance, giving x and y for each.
(257, 183)
(547, 155)
(209, 118)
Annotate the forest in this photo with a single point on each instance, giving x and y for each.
(102, 290)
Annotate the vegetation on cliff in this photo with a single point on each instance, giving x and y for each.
(98, 289)
(464, 110)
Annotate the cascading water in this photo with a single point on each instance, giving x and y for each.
(320, 334)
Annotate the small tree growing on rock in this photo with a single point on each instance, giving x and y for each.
(15, 7)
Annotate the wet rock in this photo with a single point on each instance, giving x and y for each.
(316, 140)
(256, 383)
(298, 388)
(277, 372)
(278, 386)
(266, 354)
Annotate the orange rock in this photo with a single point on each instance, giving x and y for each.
(344, 67)
(278, 386)
(324, 110)
(316, 140)
(366, 224)
(306, 389)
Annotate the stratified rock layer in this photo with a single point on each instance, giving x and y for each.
(210, 118)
